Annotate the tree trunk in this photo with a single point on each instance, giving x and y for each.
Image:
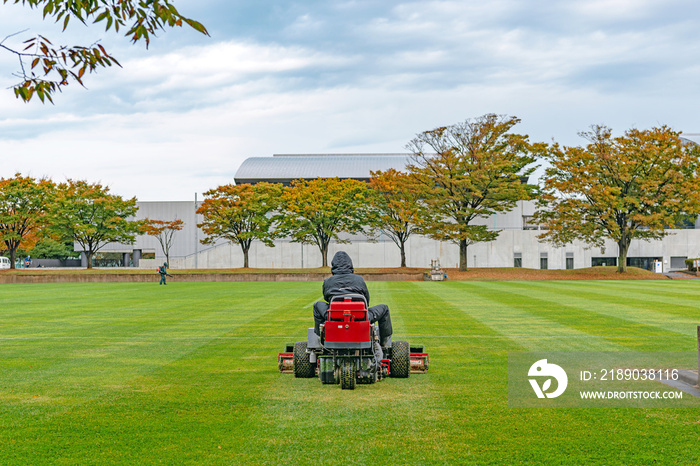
(89, 259)
(324, 254)
(623, 246)
(403, 254)
(13, 256)
(463, 255)
(245, 257)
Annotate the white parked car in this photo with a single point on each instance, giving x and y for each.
(4, 263)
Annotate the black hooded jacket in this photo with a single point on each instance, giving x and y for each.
(344, 280)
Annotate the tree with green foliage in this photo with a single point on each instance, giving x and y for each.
(92, 216)
(164, 232)
(622, 188)
(240, 214)
(46, 68)
(396, 202)
(468, 171)
(49, 248)
(23, 207)
(316, 211)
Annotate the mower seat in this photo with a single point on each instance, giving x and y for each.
(348, 325)
(348, 308)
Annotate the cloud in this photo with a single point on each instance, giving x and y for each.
(225, 63)
(172, 155)
(203, 75)
(622, 11)
(542, 42)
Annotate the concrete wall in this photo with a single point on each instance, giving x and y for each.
(421, 250)
(55, 263)
(185, 242)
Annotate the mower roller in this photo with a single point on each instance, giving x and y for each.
(348, 351)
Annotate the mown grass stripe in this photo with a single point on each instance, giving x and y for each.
(620, 331)
(673, 298)
(636, 311)
(505, 313)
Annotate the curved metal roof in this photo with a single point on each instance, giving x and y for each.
(284, 168)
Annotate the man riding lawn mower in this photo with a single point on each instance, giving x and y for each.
(343, 346)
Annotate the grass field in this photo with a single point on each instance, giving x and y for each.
(140, 374)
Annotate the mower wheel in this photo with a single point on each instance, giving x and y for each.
(400, 359)
(347, 375)
(303, 369)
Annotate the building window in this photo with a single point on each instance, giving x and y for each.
(569, 260)
(517, 259)
(108, 259)
(642, 262)
(604, 262)
(543, 261)
(678, 262)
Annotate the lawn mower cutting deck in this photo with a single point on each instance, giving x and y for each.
(347, 351)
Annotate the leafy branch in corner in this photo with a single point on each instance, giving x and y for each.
(45, 68)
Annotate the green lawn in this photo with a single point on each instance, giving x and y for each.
(140, 374)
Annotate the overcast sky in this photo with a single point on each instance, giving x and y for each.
(336, 76)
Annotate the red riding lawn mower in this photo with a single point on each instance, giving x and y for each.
(348, 350)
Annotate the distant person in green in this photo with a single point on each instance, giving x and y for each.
(163, 271)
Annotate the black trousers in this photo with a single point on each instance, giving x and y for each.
(378, 313)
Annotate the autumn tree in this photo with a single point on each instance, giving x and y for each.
(316, 211)
(163, 231)
(468, 171)
(240, 214)
(396, 203)
(45, 68)
(629, 187)
(23, 205)
(92, 216)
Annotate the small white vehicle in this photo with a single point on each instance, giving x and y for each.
(4, 263)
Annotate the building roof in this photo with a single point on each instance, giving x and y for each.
(284, 168)
(691, 137)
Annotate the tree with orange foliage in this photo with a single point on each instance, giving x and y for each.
(396, 202)
(629, 187)
(23, 206)
(240, 214)
(164, 231)
(470, 171)
(316, 211)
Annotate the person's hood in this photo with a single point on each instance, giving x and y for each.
(341, 263)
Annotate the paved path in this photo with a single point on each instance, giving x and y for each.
(681, 276)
